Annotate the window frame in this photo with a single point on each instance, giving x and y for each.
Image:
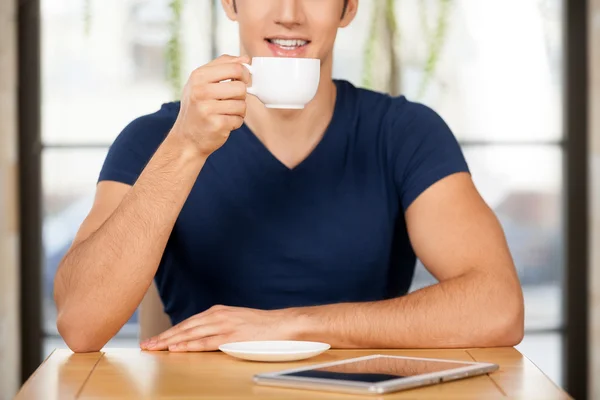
(574, 147)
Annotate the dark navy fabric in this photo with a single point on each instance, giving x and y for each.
(255, 233)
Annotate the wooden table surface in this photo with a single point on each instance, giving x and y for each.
(133, 374)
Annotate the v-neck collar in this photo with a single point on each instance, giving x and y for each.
(333, 127)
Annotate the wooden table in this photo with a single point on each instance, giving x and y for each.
(131, 373)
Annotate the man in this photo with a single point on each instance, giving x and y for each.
(259, 223)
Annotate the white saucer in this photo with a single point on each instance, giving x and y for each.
(275, 350)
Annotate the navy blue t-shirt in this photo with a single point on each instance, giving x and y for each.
(254, 233)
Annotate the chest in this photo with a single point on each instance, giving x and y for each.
(245, 219)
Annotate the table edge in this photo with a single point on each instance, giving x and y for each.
(32, 376)
(468, 350)
(491, 376)
(562, 390)
(44, 363)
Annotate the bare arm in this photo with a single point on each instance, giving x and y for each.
(107, 271)
(104, 276)
(478, 302)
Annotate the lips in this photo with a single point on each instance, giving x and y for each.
(287, 47)
(288, 44)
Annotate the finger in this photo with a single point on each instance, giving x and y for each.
(153, 343)
(225, 123)
(191, 322)
(222, 91)
(195, 333)
(210, 343)
(226, 58)
(231, 107)
(244, 59)
(219, 73)
(180, 327)
(188, 323)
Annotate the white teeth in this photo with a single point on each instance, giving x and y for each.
(289, 43)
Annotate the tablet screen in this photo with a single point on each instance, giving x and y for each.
(377, 370)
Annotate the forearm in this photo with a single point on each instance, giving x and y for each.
(102, 280)
(460, 312)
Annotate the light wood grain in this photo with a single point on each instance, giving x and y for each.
(61, 376)
(131, 374)
(518, 377)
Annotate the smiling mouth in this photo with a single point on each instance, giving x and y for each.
(288, 44)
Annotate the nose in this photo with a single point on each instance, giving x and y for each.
(289, 13)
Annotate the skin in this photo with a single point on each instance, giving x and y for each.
(104, 276)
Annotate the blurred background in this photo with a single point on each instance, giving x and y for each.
(509, 76)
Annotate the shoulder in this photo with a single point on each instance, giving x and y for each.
(366, 104)
(396, 114)
(151, 129)
(395, 122)
(137, 142)
(407, 118)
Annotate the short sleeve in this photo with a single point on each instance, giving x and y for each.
(136, 144)
(424, 151)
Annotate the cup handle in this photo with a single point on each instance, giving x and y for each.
(250, 89)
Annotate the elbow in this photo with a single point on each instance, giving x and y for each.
(82, 346)
(76, 337)
(508, 323)
(512, 333)
(78, 333)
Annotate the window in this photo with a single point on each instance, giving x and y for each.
(99, 72)
(492, 69)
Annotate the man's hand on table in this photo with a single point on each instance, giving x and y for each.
(221, 324)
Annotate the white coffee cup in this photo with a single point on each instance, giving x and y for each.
(281, 82)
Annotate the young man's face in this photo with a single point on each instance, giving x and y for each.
(289, 28)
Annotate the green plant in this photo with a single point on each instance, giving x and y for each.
(87, 16)
(435, 41)
(392, 25)
(370, 62)
(369, 57)
(435, 38)
(174, 53)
